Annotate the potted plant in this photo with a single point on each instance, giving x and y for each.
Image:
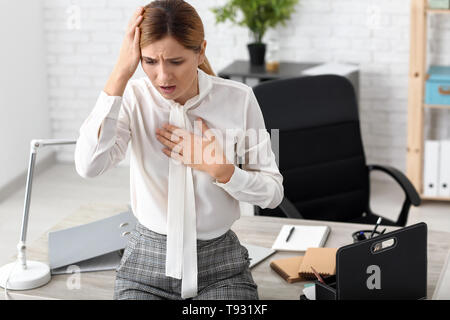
(258, 17)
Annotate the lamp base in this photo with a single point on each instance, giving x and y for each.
(37, 274)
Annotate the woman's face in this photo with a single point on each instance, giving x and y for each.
(168, 64)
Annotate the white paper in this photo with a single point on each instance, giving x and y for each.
(302, 238)
(340, 69)
(310, 292)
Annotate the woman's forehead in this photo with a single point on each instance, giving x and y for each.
(168, 48)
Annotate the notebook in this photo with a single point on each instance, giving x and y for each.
(287, 268)
(442, 291)
(257, 254)
(302, 238)
(294, 269)
(323, 260)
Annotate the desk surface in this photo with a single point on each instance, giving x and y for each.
(242, 68)
(253, 230)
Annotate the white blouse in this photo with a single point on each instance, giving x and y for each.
(170, 198)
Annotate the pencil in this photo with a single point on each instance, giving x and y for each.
(317, 275)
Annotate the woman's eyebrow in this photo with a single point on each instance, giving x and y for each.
(149, 58)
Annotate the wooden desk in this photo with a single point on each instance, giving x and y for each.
(256, 230)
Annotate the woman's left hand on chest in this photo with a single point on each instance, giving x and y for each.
(201, 152)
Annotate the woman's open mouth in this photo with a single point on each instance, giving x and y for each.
(168, 90)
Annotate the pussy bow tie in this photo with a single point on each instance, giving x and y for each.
(181, 250)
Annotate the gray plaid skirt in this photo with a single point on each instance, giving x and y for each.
(223, 269)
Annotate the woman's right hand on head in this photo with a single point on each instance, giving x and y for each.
(130, 52)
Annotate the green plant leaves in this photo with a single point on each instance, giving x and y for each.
(258, 15)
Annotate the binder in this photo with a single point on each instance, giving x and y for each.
(444, 169)
(391, 266)
(91, 247)
(99, 245)
(431, 168)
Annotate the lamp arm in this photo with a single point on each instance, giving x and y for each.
(34, 146)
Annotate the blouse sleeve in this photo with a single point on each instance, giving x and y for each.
(259, 182)
(93, 154)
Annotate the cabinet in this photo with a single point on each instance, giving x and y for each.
(416, 93)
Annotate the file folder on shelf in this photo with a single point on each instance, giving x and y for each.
(431, 168)
(444, 169)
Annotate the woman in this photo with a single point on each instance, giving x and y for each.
(185, 185)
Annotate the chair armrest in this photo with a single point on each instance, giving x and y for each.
(402, 180)
(289, 209)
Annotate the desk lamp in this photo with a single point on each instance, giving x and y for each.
(31, 274)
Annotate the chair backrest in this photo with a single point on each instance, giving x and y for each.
(321, 155)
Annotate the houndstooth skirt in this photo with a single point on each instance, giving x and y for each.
(223, 269)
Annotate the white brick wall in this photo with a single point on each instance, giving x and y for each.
(374, 34)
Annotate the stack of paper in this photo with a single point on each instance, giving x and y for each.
(341, 69)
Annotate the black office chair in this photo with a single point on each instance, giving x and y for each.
(321, 155)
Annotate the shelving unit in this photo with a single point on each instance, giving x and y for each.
(416, 93)
(436, 106)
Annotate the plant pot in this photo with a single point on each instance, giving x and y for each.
(257, 52)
